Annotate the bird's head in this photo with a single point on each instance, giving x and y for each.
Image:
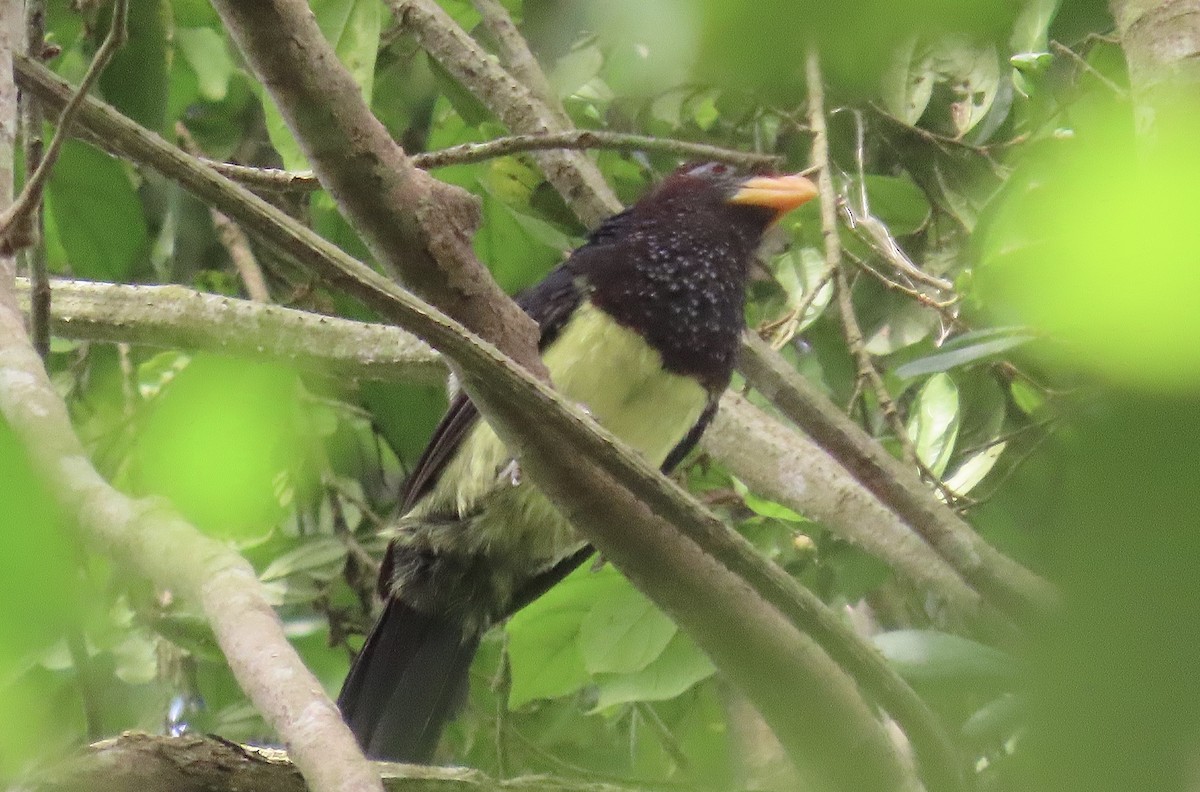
(722, 191)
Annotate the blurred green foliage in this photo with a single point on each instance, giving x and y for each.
(992, 144)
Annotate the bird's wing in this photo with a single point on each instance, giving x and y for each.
(549, 303)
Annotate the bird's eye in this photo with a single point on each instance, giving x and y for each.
(710, 169)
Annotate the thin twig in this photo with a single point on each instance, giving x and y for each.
(468, 153)
(31, 125)
(231, 236)
(515, 55)
(502, 687)
(1063, 49)
(784, 329)
(874, 231)
(16, 224)
(666, 738)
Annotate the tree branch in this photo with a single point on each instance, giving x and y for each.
(31, 133)
(817, 487)
(418, 228)
(155, 542)
(176, 316)
(516, 57)
(994, 575)
(575, 178)
(468, 153)
(1004, 582)
(144, 763)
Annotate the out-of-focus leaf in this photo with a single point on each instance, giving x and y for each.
(966, 349)
(1059, 230)
(624, 632)
(905, 326)
(191, 632)
(136, 659)
(155, 372)
(908, 84)
(35, 572)
(97, 217)
(933, 423)
(995, 721)
(973, 471)
(575, 69)
(931, 656)
(764, 507)
(136, 81)
(1027, 397)
(1031, 30)
(204, 51)
(898, 202)
(679, 666)
(321, 557)
(216, 438)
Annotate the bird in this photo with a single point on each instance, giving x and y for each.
(640, 326)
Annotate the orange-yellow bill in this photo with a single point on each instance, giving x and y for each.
(781, 193)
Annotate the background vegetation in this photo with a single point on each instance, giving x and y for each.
(1019, 248)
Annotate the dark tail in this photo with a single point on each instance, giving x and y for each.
(406, 683)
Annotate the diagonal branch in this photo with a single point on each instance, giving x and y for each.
(575, 178)
(417, 227)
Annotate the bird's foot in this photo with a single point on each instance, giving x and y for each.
(512, 472)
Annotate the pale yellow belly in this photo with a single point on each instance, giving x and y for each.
(604, 367)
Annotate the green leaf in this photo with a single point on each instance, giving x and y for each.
(963, 350)
(623, 632)
(352, 27)
(898, 202)
(797, 272)
(973, 73)
(907, 325)
(908, 84)
(933, 424)
(546, 662)
(321, 556)
(677, 668)
(137, 79)
(973, 471)
(204, 51)
(995, 721)
(765, 507)
(929, 655)
(95, 215)
(543, 638)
